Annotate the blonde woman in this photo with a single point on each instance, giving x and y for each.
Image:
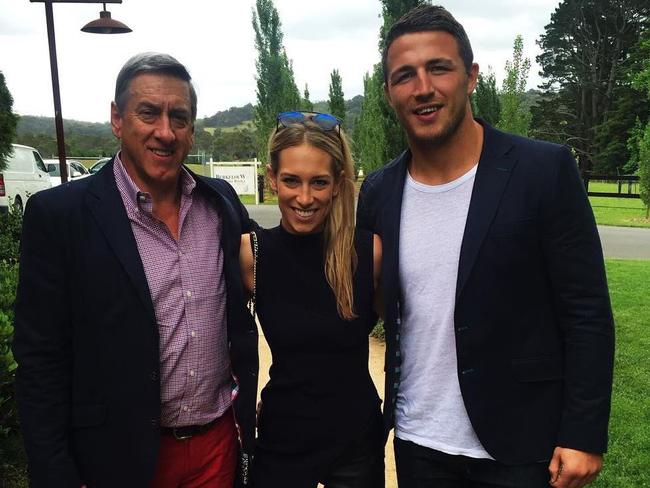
(314, 285)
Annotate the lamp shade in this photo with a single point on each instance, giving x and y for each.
(105, 25)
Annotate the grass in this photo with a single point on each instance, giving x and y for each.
(628, 464)
(624, 212)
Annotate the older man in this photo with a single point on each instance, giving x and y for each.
(129, 375)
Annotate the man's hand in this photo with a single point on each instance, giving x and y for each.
(573, 469)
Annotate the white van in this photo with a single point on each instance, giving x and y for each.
(24, 176)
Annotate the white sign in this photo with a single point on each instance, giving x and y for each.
(242, 178)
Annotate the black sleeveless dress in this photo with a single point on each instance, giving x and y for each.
(320, 398)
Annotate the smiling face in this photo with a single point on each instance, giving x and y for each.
(155, 129)
(428, 86)
(306, 187)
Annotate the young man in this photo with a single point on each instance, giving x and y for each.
(125, 378)
(498, 320)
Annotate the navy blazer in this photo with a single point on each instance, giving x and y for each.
(86, 338)
(533, 321)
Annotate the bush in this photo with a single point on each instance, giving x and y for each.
(10, 228)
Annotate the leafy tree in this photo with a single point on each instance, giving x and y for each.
(276, 86)
(336, 100)
(485, 99)
(515, 114)
(307, 106)
(8, 122)
(584, 50)
(378, 134)
(641, 81)
(644, 169)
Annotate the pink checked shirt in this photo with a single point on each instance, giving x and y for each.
(188, 292)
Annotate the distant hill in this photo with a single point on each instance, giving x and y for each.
(231, 117)
(29, 124)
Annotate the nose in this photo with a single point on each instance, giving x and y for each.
(164, 130)
(305, 197)
(424, 89)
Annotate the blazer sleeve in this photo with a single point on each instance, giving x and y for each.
(574, 259)
(366, 210)
(42, 347)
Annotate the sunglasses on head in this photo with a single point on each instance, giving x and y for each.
(326, 122)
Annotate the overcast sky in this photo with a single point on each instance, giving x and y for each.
(214, 39)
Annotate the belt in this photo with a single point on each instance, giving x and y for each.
(188, 431)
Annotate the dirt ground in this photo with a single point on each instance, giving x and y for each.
(376, 365)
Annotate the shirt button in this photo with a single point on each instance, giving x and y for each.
(188, 293)
(185, 408)
(193, 333)
(191, 372)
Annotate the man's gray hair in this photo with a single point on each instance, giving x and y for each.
(150, 63)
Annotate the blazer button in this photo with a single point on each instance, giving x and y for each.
(154, 376)
(467, 371)
(154, 423)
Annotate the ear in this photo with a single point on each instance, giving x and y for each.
(273, 178)
(116, 121)
(472, 79)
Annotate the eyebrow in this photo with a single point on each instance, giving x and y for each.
(324, 175)
(446, 62)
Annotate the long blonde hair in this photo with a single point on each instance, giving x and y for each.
(340, 256)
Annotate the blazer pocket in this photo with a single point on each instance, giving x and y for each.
(512, 228)
(88, 415)
(547, 368)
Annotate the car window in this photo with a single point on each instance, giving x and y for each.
(39, 161)
(53, 169)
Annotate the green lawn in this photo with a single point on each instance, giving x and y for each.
(627, 465)
(624, 212)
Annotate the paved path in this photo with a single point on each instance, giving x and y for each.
(618, 242)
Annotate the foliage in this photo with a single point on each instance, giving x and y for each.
(276, 86)
(644, 169)
(231, 117)
(585, 51)
(378, 136)
(336, 100)
(8, 121)
(10, 228)
(485, 99)
(307, 106)
(515, 114)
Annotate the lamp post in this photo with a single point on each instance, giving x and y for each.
(103, 25)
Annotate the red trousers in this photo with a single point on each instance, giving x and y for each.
(205, 460)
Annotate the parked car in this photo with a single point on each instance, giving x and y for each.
(76, 170)
(24, 176)
(99, 165)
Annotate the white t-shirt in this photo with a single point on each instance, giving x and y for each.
(430, 411)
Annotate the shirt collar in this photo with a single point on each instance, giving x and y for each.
(142, 198)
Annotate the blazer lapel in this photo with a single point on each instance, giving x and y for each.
(394, 176)
(494, 169)
(106, 205)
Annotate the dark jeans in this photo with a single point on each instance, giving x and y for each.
(421, 467)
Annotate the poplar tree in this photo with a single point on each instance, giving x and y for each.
(515, 113)
(276, 86)
(8, 122)
(485, 99)
(378, 134)
(336, 100)
(307, 105)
